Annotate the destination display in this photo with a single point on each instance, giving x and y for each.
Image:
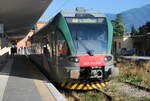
(85, 20)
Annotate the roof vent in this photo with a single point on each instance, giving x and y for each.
(80, 9)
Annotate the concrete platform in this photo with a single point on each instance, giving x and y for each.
(21, 81)
(136, 57)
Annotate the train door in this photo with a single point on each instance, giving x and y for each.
(62, 47)
(46, 54)
(62, 52)
(53, 59)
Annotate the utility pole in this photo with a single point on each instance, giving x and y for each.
(1, 30)
(1, 34)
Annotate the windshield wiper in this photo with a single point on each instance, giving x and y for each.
(90, 52)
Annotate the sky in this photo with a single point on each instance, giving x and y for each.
(104, 6)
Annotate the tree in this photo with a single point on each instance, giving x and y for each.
(133, 31)
(144, 29)
(118, 26)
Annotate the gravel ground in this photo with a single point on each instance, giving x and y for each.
(132, 91)
(124, 92)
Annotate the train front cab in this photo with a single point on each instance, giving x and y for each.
(84, 48)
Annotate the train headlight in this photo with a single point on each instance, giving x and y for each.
(74, 59)
(108, 58)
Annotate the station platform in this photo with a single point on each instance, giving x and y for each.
(136, 57)
(20, 80)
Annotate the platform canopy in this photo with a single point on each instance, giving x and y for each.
(19, 16)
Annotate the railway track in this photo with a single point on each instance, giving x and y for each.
(94, 95)
(123, 91)
(108, 97)
(137, 86)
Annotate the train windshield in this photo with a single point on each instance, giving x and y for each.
(90, 35)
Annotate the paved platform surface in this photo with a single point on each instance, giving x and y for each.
(21, 81)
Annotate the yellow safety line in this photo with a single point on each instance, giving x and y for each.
(80, 86)
(103, 84)
(93, 85)
(69, 85)
(106, 83)
(88, 86)
(74, 85)
(97, 83)
(85, 88)
(63, 84)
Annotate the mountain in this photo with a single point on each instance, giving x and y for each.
(134, 17)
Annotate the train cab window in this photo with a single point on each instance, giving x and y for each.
(62, 47)
(89, 34)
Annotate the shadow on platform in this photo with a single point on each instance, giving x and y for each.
(21, 67)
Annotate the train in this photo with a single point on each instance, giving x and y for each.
(75, 46)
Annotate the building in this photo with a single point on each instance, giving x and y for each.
(122, 42)
(3, 40)
(4, 43)
(23, 42)
(142, 44)
(137, 45)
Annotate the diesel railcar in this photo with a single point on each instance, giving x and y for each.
(75, 45)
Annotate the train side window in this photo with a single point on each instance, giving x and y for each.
(62, 47)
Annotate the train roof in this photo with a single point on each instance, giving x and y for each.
(71, 13)
(81, 12)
